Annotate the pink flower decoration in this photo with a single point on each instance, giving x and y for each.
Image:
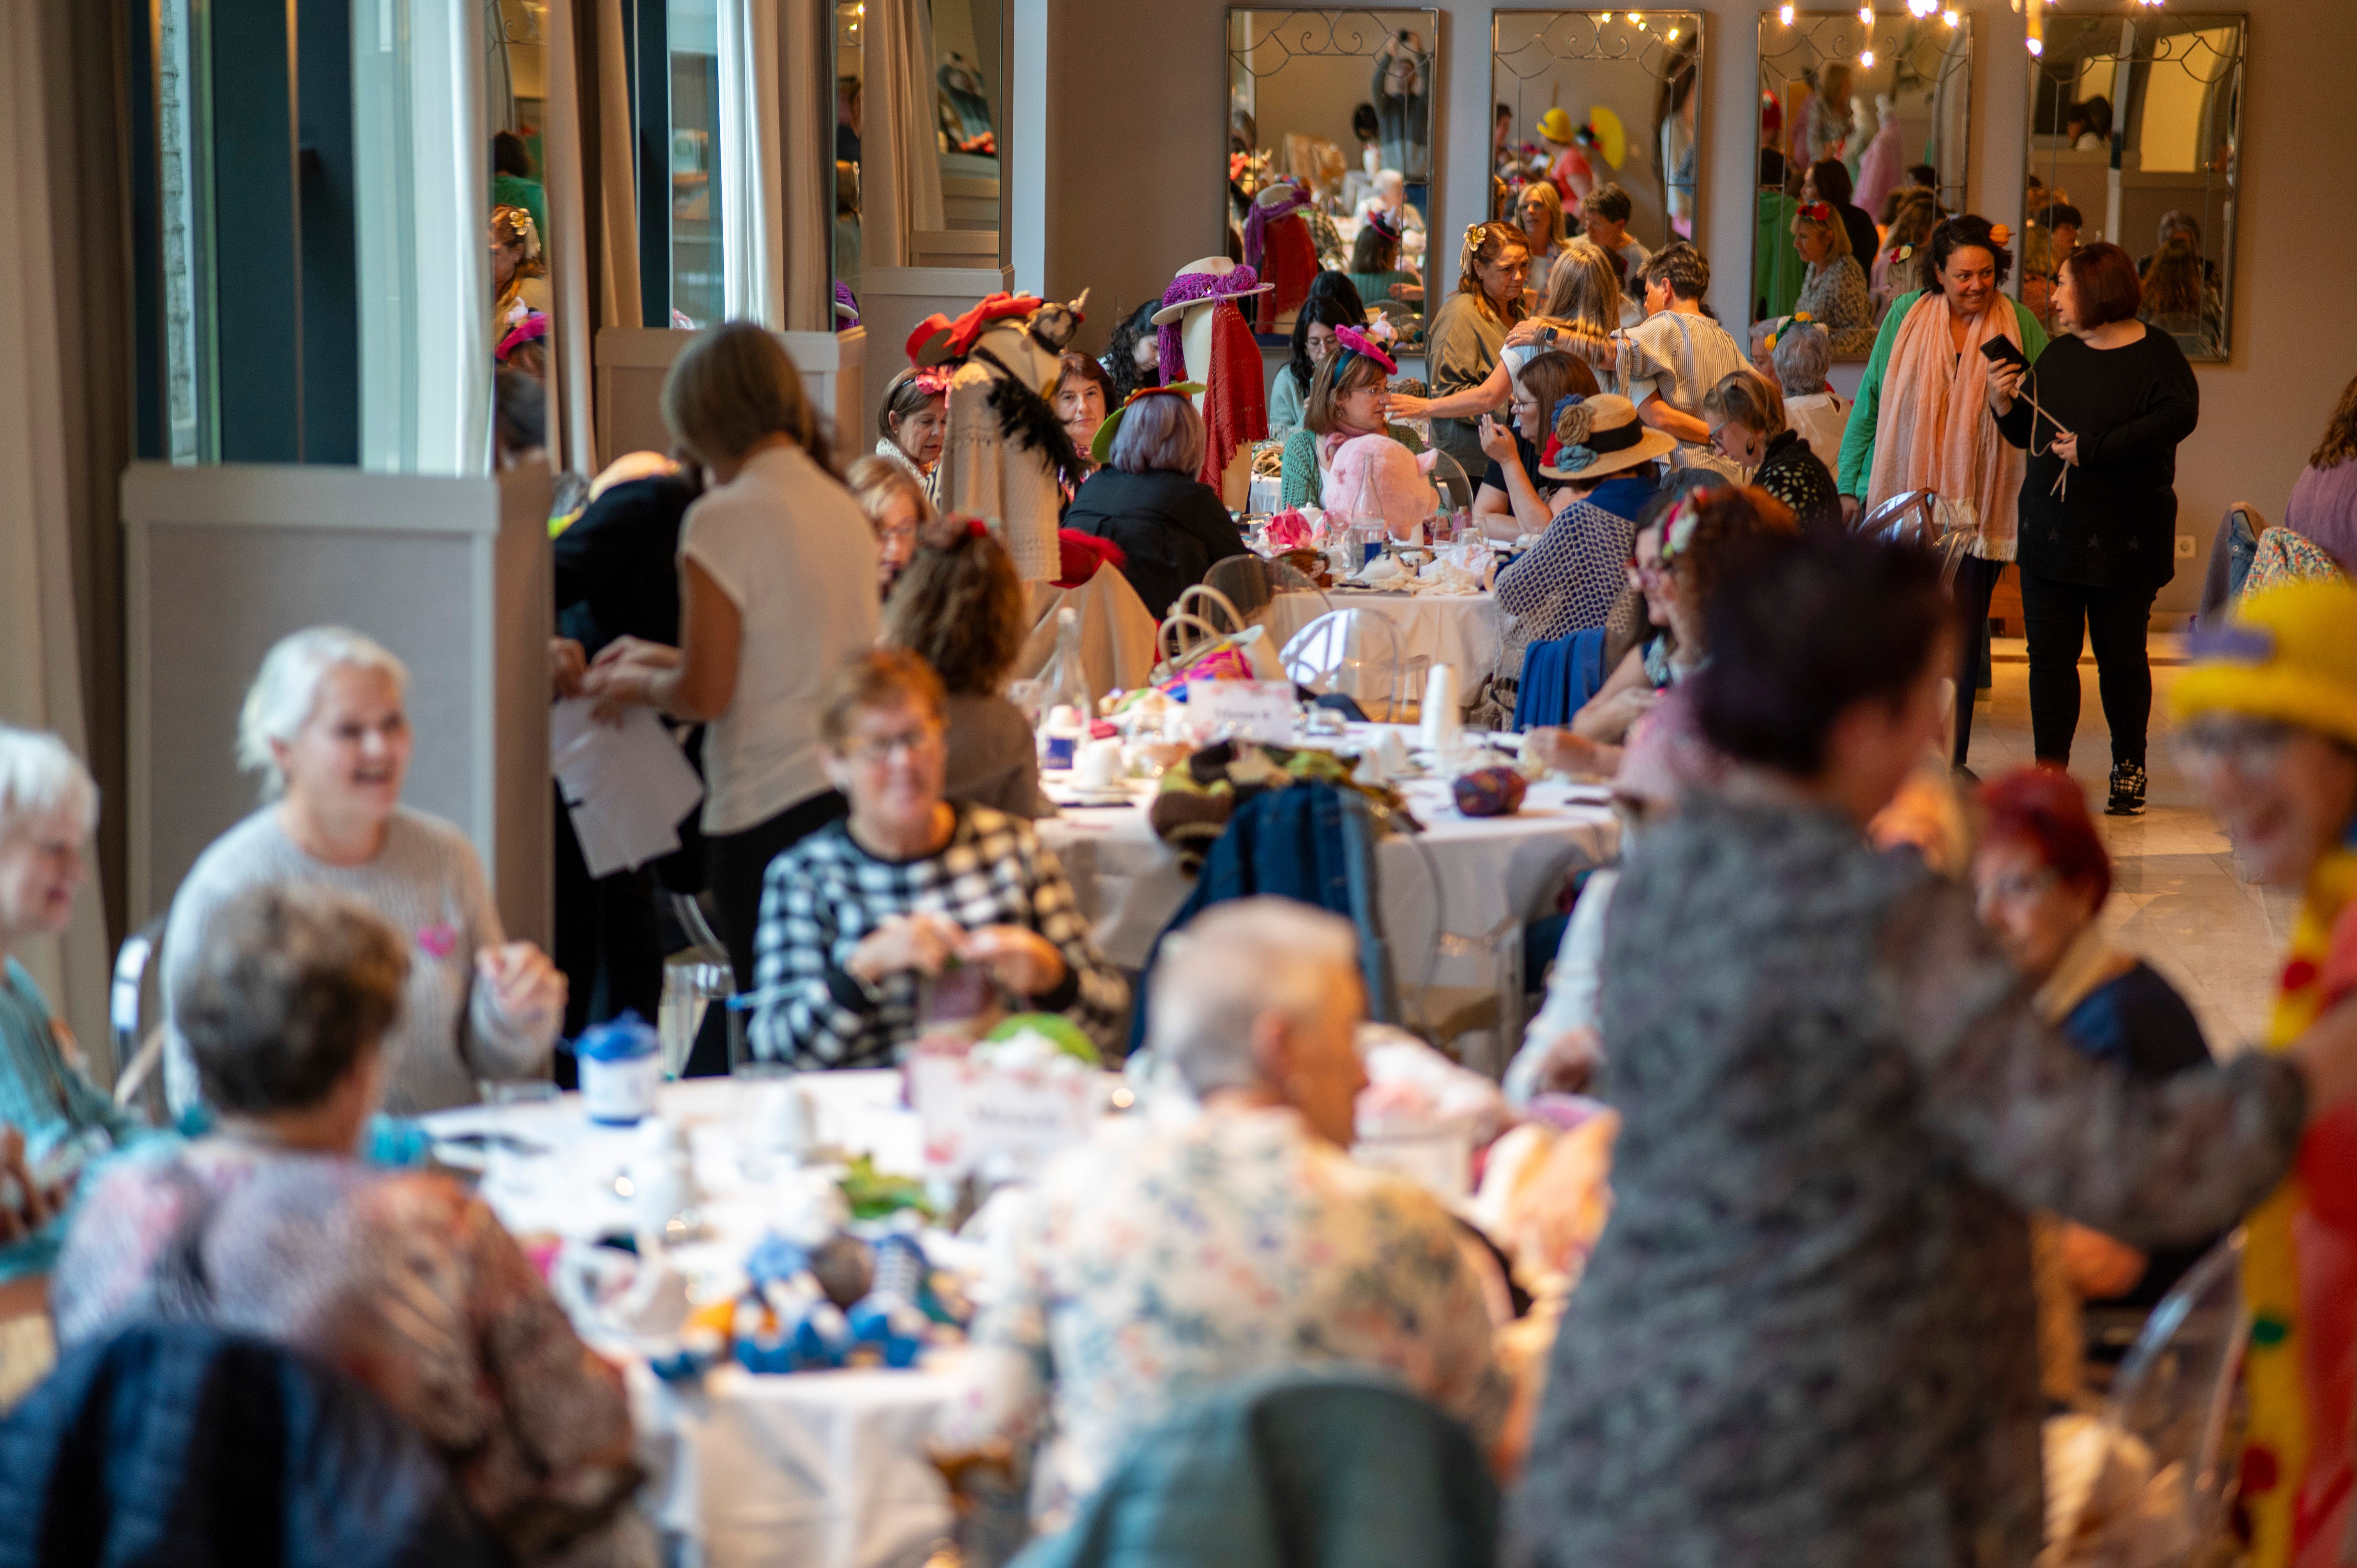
(439, 939)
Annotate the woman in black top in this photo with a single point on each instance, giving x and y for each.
(1146, 498)
(1748, 426)
(2100, 415)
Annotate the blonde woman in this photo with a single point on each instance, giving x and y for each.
(1493, 264)
(1834, 293)
(897, 509)
(1539, 212)
(1584, 304)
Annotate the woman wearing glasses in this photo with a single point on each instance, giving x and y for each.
(871, 923)
(2269, 738)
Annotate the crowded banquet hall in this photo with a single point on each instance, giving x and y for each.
(946, 783)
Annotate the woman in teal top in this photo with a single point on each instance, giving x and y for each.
(1374, 263)
(1922, 421)
(48, 806)
(1346, 399)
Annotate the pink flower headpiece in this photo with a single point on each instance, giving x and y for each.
(1353, 341)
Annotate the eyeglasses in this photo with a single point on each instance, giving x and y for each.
(880, 747)
(1647, 571)
(2018, 887)
(2244, 745)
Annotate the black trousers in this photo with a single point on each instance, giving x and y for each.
(1976, 580)
(735, 865)
(606, 941)
(2057, 616)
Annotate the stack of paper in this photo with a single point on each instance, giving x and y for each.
(628, 786)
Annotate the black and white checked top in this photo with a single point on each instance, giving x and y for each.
(821, 896)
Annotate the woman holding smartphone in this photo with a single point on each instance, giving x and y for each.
(2100, 415)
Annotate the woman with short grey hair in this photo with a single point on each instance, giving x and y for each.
(49, 806)
(1803, 356)
(327, 725)
(1150, 499)
(288, 996)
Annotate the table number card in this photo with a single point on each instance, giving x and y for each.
(1253, 710)
(998, 1119)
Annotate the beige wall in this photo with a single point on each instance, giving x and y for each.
(1129, 191)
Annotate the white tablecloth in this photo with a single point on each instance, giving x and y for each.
(804, 1470)
(1462, 877)
(1467, 630)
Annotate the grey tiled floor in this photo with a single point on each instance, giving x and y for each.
(2177, 900)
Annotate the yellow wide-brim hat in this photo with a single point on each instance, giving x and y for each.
(1556, 127)
(2288, 654)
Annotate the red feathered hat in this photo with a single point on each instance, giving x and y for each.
(938, 340)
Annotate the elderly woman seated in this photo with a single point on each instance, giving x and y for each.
(327, 724)
(1173, 1255)
(914, 909)
(1802, 355)
(271, 1227)
(1148, 498)
(48, 805)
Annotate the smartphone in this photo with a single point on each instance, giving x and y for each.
(2004, 351)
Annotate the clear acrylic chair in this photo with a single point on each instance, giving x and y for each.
(1928, 521)
(1355, 652)
(2171, 1447)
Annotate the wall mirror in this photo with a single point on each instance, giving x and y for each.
(1329, 122)
(1588, 102)
(2135, 137)
(918, 85)
(1881, 110)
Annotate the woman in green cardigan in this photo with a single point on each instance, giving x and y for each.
(1921, 421)
(1346, 399)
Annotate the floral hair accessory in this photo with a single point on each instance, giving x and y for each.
(1817, 212)
(933, 383)
(2001, 234)
(1353, 341)
(1383, 223)
(1678, 527)
(1803, 317)
(1904, 253)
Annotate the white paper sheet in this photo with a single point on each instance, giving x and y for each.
(627, 785)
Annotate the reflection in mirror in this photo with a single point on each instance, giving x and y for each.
(2134, 137)
(1594, 131)
(1329, 138)
(916, 138)
(1862, 131)
(698, 286)
(520, 328)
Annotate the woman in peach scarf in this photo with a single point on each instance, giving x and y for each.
(1921, 420)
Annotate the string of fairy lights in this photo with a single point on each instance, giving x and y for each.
(1922, 10)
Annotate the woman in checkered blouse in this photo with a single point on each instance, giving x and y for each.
(856, 916)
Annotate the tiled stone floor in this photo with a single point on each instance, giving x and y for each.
(2177, 900)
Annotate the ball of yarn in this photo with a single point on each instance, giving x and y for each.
(1491, 793)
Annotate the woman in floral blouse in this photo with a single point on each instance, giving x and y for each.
(270, 1227)
(1807, 1335)
(1834, 294)
(1163, 1260)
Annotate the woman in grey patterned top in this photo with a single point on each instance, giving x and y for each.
(1807, 1335)
(859, 916)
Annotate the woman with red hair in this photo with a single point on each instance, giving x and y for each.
(2043, 875)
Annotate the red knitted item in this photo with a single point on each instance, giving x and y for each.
(1235, 408)
(1291, 258)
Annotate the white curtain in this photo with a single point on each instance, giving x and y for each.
(901, 174)
(593, 210)
(40, 669)
(420, 206)
(752, 235)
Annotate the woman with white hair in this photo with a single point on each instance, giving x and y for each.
(1802, 355)
(1170, 1255)
(327, 724)
(49, 806)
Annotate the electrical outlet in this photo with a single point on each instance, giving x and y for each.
(2185, 547)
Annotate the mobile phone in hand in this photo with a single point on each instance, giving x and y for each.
(2004, 351)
